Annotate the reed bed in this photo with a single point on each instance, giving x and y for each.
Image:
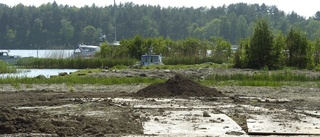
(278, 77)
(7, 68)
(191, 60)
(69, 63)
(264, 78)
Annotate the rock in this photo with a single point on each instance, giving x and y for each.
(237, 133)
(41, 77)
(63, 74)
(105, 71)
(143, 75)
(167, 71)
(205, 114)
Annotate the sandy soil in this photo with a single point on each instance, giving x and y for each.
(115, 110)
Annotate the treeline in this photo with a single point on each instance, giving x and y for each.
(52, 25)
(188, 51)
(263, 49)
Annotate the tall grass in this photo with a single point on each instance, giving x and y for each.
(263, 77)
(204, 65)
(274, 78)
(6, 68)
(69, 63)
(190, 60)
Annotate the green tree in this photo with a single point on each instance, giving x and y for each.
(105, 50)
(242, 28)
(149, 27)
(317, 52)
(10, 36)
(90, 35)
(240, 56)
(225, 27)
(134, 46)
(35, 35)
(278, 52)
(221, 49)
(261, 47)
(191, 47)
(297, 44)
(66, 31)
(313, 29)
(212, 28)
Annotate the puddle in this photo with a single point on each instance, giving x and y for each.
(36, 72)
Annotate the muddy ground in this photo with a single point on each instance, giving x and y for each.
(95, 110)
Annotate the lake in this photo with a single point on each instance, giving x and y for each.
(36, 72)
(42, 53)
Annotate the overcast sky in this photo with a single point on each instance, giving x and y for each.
(306, 8)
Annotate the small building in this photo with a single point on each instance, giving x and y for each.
(85, 51)
(150, 59)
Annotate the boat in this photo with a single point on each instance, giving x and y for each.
(85, 51)
(151, 59)
(10, 59)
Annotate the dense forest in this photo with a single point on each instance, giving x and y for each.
(52, 25)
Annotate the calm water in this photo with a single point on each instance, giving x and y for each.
(37, 72)
(42, 53)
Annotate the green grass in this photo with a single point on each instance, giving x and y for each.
(6, 68)
(191, 60)
(285, 77)
(70, 80)
(263, 78)
(69, 63)
(212, 65)
(277, 77)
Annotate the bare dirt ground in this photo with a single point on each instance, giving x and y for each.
(123, 110)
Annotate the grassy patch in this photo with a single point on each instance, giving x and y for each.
(6, 68)
(69, 80)
(204, 65)
(191, 60)
(276, 76)
(263, 78)
(69, 63)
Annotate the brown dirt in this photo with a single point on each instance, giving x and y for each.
(27, 121)
(117, 120)
(178, 86)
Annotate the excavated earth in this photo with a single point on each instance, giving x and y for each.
(102, 110)
(178, 86)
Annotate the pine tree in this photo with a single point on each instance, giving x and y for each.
(261, 47)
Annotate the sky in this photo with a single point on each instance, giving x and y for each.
(306, 8)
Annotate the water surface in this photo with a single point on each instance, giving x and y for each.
(36, 72)
(42, 53)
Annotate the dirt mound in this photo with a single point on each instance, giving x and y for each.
(14, 121)
(180, 86)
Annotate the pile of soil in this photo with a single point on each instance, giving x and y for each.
(178, 86)
(15, 121)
